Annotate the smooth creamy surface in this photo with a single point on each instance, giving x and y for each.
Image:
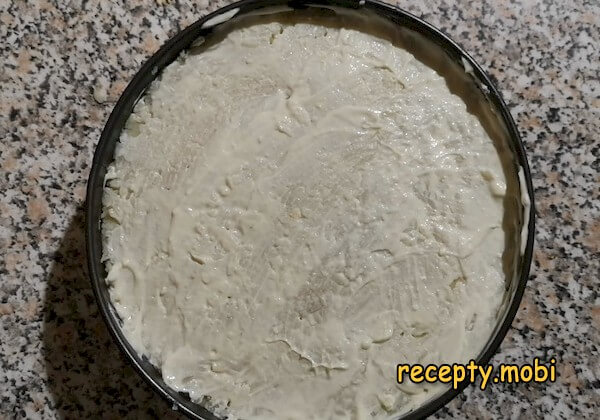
(295, 211)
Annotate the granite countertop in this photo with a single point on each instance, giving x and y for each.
(65, 64)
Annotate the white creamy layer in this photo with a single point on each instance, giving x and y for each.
(295, 211)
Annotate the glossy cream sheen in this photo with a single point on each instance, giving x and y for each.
(295, 211)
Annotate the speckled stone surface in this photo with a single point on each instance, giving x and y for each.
(65, 63)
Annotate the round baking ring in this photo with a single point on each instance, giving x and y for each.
(167, 54)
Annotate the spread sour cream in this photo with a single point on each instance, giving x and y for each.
(295, 211)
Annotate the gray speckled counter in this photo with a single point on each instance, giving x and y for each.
(56, 358)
